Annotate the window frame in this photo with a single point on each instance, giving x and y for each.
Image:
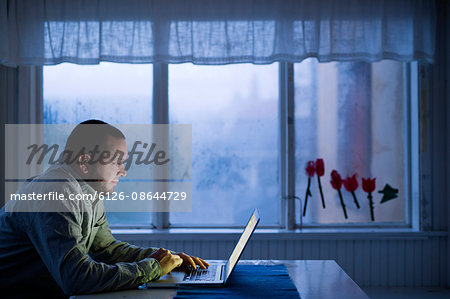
(287, 170)
(289, 200)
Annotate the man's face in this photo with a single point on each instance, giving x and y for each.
(104, 177)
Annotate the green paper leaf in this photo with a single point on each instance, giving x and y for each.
(389, 193)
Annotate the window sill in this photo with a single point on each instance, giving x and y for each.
(277, 234)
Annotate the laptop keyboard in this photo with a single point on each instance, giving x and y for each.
(201, 274)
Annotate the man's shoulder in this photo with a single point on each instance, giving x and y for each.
(55, 178)
(51, 191)
(59, 171)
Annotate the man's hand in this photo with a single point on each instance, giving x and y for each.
(166, 260)
(159, 254)
(192, 261)
(169, 262)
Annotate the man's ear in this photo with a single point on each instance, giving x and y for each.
(83, 162)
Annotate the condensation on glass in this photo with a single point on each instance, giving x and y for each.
(351, 114)
(115, 93)
(233, 110)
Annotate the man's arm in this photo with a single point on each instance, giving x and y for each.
(58, 239)
(107, 249)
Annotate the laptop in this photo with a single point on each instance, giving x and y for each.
(217, 272)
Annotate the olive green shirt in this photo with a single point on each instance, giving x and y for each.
(73, 252)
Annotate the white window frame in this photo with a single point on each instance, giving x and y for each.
(289, 200)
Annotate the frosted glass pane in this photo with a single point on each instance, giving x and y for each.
(233, 110)
(351, 114)
(115, 93)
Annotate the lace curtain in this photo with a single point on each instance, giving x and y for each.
(41, 32)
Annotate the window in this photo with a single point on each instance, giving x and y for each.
(233, 112)
(353, 115)
(108, 91)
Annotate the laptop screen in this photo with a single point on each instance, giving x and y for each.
(234, 258)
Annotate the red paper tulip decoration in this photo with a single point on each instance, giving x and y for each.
(320, 171)
(336, 183)
(351, 184)
(336, 180)
(368, 186)
(310, 171)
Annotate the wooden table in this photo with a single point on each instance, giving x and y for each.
(313, 279)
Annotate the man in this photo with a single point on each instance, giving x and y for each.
(70, 249)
